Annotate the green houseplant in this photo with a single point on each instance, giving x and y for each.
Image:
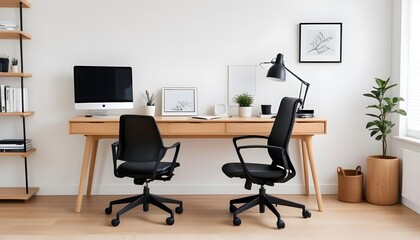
(14, 65)
(382, 171)
(245, 101)
(381, 125)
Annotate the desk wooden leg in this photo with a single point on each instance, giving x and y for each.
(85, 163)
(308, 140)
(305, 165)
(92, 166)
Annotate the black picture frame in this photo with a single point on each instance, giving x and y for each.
(320, 42)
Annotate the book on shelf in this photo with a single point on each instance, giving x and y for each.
(11, 99)
(15, 145)
(15, 150)
(2, 99)
(8, 25)
(15, 141)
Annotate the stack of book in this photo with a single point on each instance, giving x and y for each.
(8, 25)
(11, 99)
(15, 145)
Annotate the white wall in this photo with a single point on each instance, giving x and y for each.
(191, 43)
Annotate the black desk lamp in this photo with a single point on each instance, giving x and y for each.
(278, 72)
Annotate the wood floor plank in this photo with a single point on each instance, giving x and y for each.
(204, 217)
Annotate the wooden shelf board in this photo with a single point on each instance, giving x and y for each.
(15, 3)
(18, 154)
(10, 74)
(4, 114)
(17, 193)
(14, 34)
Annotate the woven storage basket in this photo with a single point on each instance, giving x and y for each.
(350, 185)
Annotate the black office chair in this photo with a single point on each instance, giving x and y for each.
(138, 155)
(280, 170)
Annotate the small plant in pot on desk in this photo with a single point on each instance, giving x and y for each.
(382, 171)
(244, 101)
(150, 103)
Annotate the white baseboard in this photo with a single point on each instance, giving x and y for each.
(410, 204)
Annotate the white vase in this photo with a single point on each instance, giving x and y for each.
(15, 69)
(244, 111)
(149, 110)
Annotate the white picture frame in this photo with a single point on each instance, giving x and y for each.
(179, 101)
(320, 42)
(242, 79)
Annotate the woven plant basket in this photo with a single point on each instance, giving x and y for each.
(350, 185)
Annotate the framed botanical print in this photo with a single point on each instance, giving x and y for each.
(320, 42)
(181, 101)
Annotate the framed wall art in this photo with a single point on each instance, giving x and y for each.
(179, 101)
(320, 42)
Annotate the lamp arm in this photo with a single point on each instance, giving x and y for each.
(304, 83)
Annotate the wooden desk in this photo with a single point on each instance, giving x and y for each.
(186, 127)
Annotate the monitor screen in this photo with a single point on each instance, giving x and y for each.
(102, 87)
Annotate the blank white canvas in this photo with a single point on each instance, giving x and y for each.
(242, 79)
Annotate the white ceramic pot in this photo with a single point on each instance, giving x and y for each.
(149, 110)
(15, 69)
(244, 111)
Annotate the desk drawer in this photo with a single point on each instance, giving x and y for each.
(309, 128)
(198, 128)
(94, 128)
(163, 128)
(249, 128)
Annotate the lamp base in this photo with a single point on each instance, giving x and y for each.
(305, 113)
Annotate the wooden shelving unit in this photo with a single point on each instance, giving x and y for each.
(17, 193)
(14, 34)
(17, 114)
(10, 74)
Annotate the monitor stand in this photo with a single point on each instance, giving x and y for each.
(101, 114)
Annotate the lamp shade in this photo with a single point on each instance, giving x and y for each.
(278, 70)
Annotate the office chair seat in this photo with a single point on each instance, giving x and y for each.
(144, 169)
(279, 170)
(263, 171)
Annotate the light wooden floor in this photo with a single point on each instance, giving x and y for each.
(204, 217)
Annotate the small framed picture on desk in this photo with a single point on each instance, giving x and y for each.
(179, 101)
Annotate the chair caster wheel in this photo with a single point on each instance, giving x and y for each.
(236, 221)
(170, 220)
(306, 214)
(115, 222)
(232, 208)
(280, 224)
(179, 210)
(108, 210)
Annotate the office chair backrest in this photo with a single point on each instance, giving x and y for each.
(282, 130)
(139, 139)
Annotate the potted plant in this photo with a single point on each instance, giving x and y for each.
(244, 100)
(150, 103)
(14, 65)
(382, 171)
(4, 62)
